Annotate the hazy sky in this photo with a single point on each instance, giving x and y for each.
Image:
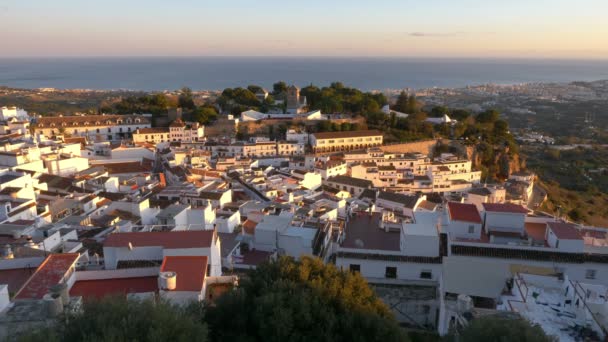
(437, 28)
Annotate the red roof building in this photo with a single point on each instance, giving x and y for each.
(171, 239)
(15, 278)
(100, 288)
(504, 208)
(190, 271)
(55, 269)
(464, 212)
(565, 231)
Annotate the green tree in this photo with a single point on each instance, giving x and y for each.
(279, 88)
(186, 99)
(313, 95)
(402, 101)
(254, 88)
(460, 114)
(488, 116)
(304, 300)
(439, 111)
(502, 329)
(119, 319)
(345, 126)
(412, 105)
(576, 214)
(501, 127)
(205, 114)
(324, 126)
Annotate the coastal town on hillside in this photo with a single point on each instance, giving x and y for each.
(163, 206)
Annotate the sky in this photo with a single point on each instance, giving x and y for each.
(424, 28)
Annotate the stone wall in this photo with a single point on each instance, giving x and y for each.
(424, 146)
(221, 128)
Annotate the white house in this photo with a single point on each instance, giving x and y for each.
(154, 246)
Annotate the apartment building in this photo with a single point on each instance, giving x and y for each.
(103, 127)
(152, 135)
(345, 141)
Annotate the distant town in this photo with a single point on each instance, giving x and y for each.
(437, 212)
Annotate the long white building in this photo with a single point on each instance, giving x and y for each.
(94, 127)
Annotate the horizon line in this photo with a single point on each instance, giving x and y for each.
(316, 57)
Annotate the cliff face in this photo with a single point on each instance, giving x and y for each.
(498, 162)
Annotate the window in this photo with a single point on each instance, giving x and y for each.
(426, 274)
(590, 274)
(391, 272)
(471, 229)
(355, 268)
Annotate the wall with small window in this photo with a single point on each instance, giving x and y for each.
(388, 271)
(465, 230)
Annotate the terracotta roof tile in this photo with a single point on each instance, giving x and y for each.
(171, 239)
(505, 208)
(190, 271)
(100, 288)
(565, 231)
(91, 120)
(51, 272)
(463, 212)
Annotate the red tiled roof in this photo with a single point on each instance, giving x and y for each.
(505, 208)
(15, 278)
(190, 271)
(464, 212)
(106, 287)
(128, 167)
(565, 231)
(51, 272)
(172, 239)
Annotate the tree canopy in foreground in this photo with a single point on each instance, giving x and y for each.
(497, 329)
(302, 300)
(283, 300)
(117, 319)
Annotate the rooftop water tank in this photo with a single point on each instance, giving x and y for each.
(167, 280)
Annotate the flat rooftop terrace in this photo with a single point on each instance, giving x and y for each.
(363, 232)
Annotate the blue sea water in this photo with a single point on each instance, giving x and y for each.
(200, 73)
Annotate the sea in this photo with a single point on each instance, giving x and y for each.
(215, 73)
